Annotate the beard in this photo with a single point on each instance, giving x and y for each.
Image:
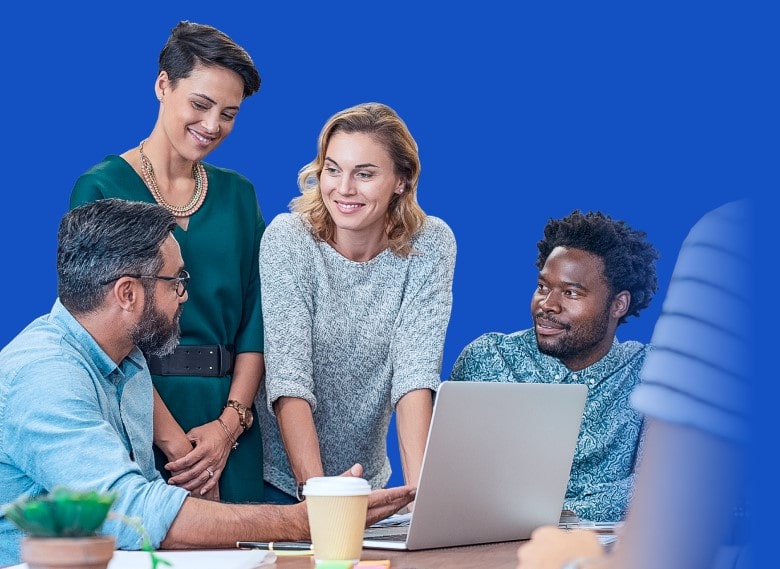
(574, 341)
(155, 334)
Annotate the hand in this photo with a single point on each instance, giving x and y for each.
(383, 503)
(193, 472)
(550, 548)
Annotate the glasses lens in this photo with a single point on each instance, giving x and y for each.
(183, 281)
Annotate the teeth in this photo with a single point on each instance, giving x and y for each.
(199, 137)
(349, 206)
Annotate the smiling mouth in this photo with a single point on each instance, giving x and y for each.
(352, 206)
(201, 138)
(548, 324)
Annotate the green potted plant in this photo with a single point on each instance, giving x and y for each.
(61, 528)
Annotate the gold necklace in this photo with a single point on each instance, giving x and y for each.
(201, 186)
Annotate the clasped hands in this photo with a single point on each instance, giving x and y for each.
(200, 469)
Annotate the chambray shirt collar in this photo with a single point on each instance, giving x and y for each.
(107, 367)
(591, 375)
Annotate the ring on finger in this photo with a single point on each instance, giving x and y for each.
(211, 472)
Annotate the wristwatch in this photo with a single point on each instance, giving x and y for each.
(245, 417)
(299, 491)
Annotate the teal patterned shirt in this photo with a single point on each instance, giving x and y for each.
(602, 472)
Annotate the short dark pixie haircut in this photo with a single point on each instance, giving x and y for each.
(190, 44)
(629, 259)
(103, 240)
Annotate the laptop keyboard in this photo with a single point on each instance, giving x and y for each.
(387, 537)
(390, 533)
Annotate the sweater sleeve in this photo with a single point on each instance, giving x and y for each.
(287, 311)
(418, 345)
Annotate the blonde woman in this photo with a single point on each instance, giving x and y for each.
(357, 292)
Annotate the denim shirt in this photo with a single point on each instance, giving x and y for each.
(602, 472)
(70, 416)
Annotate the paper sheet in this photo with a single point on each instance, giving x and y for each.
(196, 559)
(394, 520)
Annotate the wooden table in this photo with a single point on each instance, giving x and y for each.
(493, 556)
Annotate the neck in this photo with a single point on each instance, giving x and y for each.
(358, 248)
(105, 329)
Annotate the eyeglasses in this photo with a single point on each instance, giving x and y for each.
(182, 280)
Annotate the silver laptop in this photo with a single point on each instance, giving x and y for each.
(496, 465)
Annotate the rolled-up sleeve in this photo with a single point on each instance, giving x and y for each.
(66, 423)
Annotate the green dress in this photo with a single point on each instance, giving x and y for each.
(220, 249)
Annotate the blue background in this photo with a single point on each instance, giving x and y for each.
(651, 112)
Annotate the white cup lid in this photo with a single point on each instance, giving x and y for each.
(336, 486)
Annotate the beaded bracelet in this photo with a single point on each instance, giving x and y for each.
(231, 438)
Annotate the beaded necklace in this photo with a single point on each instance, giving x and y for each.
(201, 186)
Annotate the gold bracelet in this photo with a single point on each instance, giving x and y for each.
(242, 411)
(231, 438)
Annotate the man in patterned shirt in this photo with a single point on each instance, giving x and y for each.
(594, 272)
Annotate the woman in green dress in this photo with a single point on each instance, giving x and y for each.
(206, 435)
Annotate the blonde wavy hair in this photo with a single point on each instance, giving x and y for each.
(404, 215)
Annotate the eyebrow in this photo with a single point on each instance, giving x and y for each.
(366, 165)
(566, 284)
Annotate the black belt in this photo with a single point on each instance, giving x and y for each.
(215, 360)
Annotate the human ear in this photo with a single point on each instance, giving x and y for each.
(621, 303)
(160, 84)
(125, 292)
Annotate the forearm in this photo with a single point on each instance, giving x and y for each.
(203, 524)
(414, 411)
(248, 372)
(169, 437)
(299, 435)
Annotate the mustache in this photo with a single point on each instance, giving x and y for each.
(540, 316)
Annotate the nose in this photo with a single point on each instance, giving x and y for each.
(549, 302)
(345, 185)
(211, 123)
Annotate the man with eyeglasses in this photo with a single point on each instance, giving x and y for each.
(76, 399)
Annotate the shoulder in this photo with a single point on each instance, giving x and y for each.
(498, 342)
(53, 353)
(113, 177)
(287, 223)
(110, 168)
(435, 237)
(286, 229)
(109, 165)
(228, 178)
(631, 352)
(435, 229)
(490, 357)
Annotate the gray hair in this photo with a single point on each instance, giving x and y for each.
(102, 240)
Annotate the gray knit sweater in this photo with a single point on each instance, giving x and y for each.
(350, 338)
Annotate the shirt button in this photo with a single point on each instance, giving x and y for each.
(574, 376)
(557, 376)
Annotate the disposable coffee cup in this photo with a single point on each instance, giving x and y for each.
(337, 508)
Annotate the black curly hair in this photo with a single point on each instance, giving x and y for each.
(629, 259)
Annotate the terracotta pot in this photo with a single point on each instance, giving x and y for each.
(68, 552)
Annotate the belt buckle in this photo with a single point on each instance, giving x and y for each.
(225, 358)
